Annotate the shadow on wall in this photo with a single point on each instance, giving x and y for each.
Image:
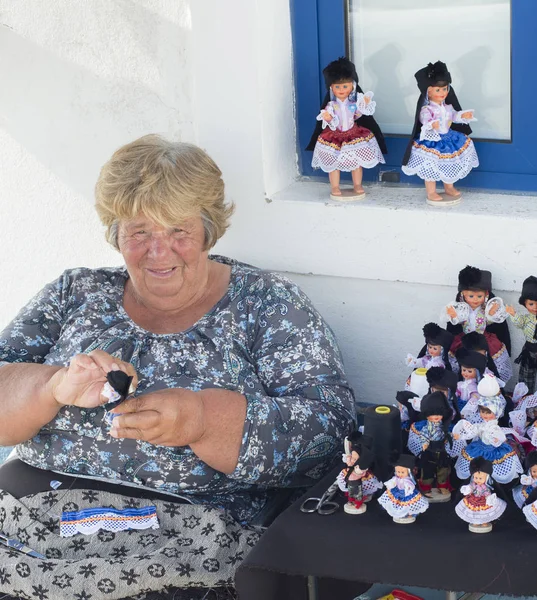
(72, 119)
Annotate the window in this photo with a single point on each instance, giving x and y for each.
(488, 46)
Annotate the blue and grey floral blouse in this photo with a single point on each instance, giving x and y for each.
(263, 339)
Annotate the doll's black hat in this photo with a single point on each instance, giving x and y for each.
(480, 464)
(365, 459)
(529, 290)
(341, 69)
(432, 75)
(120, 381)
(440, 377)
(437, 336)
(358, 439)
(435, 404)
(475, 341)
(531, 460)
(471, 359)
(472, 278)
(405, 460)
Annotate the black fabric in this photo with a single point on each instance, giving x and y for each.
(527, 356)
(437, 551)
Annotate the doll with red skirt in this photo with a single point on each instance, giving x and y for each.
(347, 137)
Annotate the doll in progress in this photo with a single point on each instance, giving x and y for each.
(435, 352)
(489, 440)
(480, 505)
(429, 440)
(528, 482)
(527, 322)
(402, 500)
(440, 149)
(347, 137)
(356, 480)
(477, 309)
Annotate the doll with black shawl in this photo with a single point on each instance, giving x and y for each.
(435, 352)
(440, 149)
(445, 381)
(472, 368)
(356, 480)
(481, 504)
(429, 440)
(476, 308)
(527, 322)
(347, 137)
(528, 482)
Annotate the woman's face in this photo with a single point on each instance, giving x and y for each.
(167, 265)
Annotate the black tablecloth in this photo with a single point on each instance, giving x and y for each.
(437, 551)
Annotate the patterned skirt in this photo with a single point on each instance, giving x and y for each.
(346, 150)
(505, 462)
(397, 505)
(474, 509)
(449, 159)
(530, 512)
(521, 493)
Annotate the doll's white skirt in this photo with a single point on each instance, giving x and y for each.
(478, 515)
(398, 505)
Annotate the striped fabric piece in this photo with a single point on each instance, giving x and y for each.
(91, 520)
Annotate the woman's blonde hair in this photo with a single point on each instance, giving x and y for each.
(168, 182)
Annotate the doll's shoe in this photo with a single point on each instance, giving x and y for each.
(347, 196)
(480, 528)
(404, 520)
(354, 510)
(435, 496)
(445, 200)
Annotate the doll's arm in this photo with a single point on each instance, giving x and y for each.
(459, 118)
(517, 319)
(495, 438)
(526, 479)
(416, 441)
(517, 418)
(465, 430)
(428, 120)
(365, 104)
(466, 490)
(333, 122)
(495, 310)
(409, 487)
(461, 311)
(413, 362)
(391, 483)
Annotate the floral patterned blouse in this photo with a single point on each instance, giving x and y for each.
(263, 339)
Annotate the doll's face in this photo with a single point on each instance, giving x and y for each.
(342, 90)
(401, 472)
(437, 94)
(435, 388)
(468, 373)
(531, 306)
(435, 418)
(533, 472)
(474, 298)
(486, 414)
(434, 350)
(480, 478)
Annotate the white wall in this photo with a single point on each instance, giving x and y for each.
(81, 78)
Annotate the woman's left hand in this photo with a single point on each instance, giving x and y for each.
(171, 417)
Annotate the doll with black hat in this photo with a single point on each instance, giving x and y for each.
(480, 505)
(528, 482)
(477, 309)
(402, 500)
(489, 440)
(440, 149)
(445, 381)
(347, 137)
(476, 342)
(435, 352)
(528, 323)
(429, 440)
(472, 368)
(356, 480)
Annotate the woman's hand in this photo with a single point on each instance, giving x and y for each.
(171, 417)
(80, 384)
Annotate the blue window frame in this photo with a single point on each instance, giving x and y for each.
(319, 32)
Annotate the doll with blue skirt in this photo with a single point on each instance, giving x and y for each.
(440, 149)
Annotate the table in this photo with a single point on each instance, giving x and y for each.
(437, 551)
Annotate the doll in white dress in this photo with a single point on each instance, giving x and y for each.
(528, 482)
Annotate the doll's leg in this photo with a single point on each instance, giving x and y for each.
(451, 191)
(357, 175)
(442, 480)
(333, 176)
(430, 188)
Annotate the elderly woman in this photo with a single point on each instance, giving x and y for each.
(239, 392)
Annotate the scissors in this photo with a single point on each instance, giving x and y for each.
(322, 505)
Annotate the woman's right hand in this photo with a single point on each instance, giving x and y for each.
(81, 383)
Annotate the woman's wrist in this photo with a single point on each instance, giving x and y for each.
(51, 388)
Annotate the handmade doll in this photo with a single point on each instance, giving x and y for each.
(480, 505)
(435, 352)
(440, 149)
(528, 482)
(489, 441)
(472, 367)
(477, 309)
(445, 381)
(402, 500)
(347, 136)
(430, 441)
(356, 480)
(524, 417)
(528, 323)
(476, 342)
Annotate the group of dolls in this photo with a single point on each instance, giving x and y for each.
(347, 137)
(455, 413)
